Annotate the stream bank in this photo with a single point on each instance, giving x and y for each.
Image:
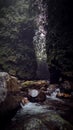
(57, 107)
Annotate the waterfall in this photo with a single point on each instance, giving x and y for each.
(39, 41)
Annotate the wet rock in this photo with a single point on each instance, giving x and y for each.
(41, 97)
(54, 122)
(35, 95)
(35, 90)
(35, 124)
(35, 84)
(25, 101)
(51, 88)
(44, 121)
(63, 95)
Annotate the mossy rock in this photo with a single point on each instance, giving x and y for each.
(55, 122)
(45, 121)
(35, 84)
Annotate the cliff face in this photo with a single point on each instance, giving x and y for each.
(60, 37)
(17, 55)
(17, 29)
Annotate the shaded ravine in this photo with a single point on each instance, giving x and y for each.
(41, 116)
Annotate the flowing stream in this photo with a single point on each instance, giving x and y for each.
(31, 114)
(39, 41)
(36, 108)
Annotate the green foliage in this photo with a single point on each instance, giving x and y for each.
(12, 18)
(60, 37)
(60, 54)
(17, 55)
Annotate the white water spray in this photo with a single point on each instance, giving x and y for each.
(39, 41)
(53, 95)
(31, 109)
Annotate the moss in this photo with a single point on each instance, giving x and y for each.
(28, 83)
(17, 55)
(14, 16)
(34, 124)
(12, 58)
(56, 121)
(12, 72)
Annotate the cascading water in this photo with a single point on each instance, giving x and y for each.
(39, 41)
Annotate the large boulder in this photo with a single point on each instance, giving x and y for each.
(35, 95)
(32, 94)
(35, 124)
(35, 90)
(35, 84)
(48, 121)
(44, 121)
(54, 122)
(7, 84)
(9, 98)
